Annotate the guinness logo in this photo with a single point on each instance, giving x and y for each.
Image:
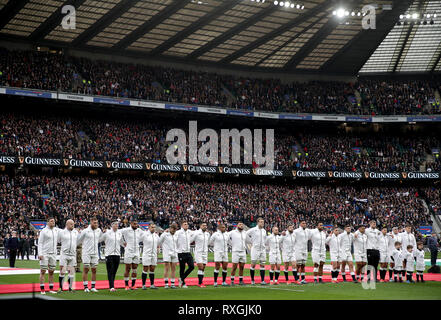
(294, 173)
(108, 164)
(66, 162)
(221, 169)
(366, 175)
(21, 159)
(185, 167)
(147, 165)
(404, 174)
(330, 174)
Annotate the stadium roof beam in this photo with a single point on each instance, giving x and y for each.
(312, 43)
(172, 8)
(10, 10)
(233, 31)
(276, 32)
(351, 58)
(53, 21)
(408, 33)
(436, 62)
(192, 28)
(104, 22)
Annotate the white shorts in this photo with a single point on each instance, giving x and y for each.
(335, 256)
(258, 256)
(301, 257)
(149, 260)
(420, 267)
(346, 256)
(201, 257)
(389, 257)
(49, 262)
(318, 257)
(288, 257)
(220, 256)
(89, 260)
(239, 257)
(398, 268)
(68, 261)
(131, 259)
(383, 257)
(167, 257)
(360, 258)
(275, 258)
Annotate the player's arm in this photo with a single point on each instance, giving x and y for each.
(161, 239)
(41, 239)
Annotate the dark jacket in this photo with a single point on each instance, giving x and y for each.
(432, 243)
(13, 244)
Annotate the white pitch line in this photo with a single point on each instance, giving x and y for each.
(268, 288)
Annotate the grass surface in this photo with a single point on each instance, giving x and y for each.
(341, 291)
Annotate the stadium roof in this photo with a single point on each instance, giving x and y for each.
(258, 35)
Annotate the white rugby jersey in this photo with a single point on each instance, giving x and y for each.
(419, 255)
(346, 240)
(201, 240)
(68, 240)
(274, 243)
(406, 239)
(383, 243)
(238, 240)
(90, 239)
(360, 243)
(113, 241)
(333, 242)
(397, 257)
(184, 240)
(150, 243)
(132, 237)
(301, 239)
(410, 260)
(219, 241)
(372, 238)
(169, 243)
(318, 239)
(288, 241)
(393, 237)
(257, 238)
(47, 242)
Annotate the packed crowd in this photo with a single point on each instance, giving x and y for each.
(397, 97)
(433, 196)
(140, 141)
(24, 198)
(52, 71)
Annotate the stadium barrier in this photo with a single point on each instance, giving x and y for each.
(213, 110)
(222, 170)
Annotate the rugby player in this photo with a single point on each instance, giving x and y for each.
(318, 253)
(275, 260)
(47, 253)
(90, 238)
(256, 237)
(68, 257)
(219, 240)
(333, 241)
(288, 255)
(201, 240)
(169, 242)
(150, 243)
(132, 235)
(239, 251)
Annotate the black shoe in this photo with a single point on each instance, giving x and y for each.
(241, 283)
(355, 281)
(320, 280)
(422, 281)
